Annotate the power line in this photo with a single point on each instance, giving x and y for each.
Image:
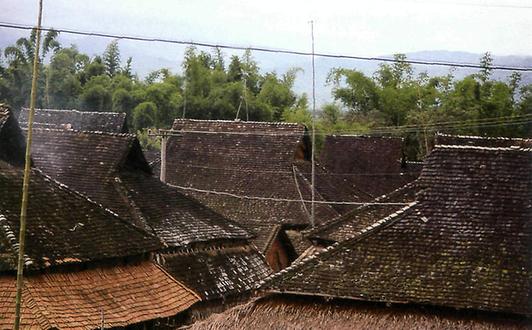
(268, 50)
(275, 199)
(486, 122)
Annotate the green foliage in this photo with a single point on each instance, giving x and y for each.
(214, 87)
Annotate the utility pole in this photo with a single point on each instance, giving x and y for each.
(26, 182)
(312, 209)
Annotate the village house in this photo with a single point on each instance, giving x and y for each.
(457, 256)
(204, 250)
(247, 171)
(84, 266)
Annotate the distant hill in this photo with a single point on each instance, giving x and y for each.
(151, 56)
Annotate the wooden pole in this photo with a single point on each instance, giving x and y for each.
(26, 182)
(313, 150)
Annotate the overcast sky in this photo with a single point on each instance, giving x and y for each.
(373, 27)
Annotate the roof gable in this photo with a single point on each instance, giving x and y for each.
(112, 122)
(63, 226)
(465, 243)
(111, 169)
(12, 142)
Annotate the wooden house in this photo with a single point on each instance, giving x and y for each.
(204, 250)
(247, 171)
(84, 267)
(457, 257)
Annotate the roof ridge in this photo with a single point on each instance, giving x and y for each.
(502, 138)
(280, 123)
(365, 136)
(12, 239)
(328, 250)
(341, 218)
(102, 113)
(73, 131)
(478, 148)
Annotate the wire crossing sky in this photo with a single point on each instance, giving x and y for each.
(365, 28)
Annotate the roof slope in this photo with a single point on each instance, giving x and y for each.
(351, 223)
(76, 300)
(12, 142)
(63, 226)
(112, 122)
(218, 272)
(465, 243)
(111, 169)
(251, 159)
(289, 312)
(369, 164)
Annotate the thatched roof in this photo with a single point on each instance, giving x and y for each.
(123, 295)
(288, 312)
(464, 243)
(112, 122)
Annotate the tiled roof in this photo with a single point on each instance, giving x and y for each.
(218, 272)
(113, 122)
(368, 164)
(111, 169)
(12, 142)
(245, 159)
(465, 243)
(481, 141)
(62, 226)
(124, 295)
(351, 223)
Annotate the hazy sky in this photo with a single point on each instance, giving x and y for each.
(374, 27)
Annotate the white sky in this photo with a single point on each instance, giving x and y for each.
(375, 27)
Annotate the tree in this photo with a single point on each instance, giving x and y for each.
(111, 59)
(144, 115)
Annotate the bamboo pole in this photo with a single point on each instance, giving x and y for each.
(26, 182)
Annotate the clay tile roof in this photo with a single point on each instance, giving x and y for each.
(351, 223)
(126, 295)
(464, 243)
(112, 122)
(110, 168)
(63, 226)
(218, 272)
(369, 164)
(245, 159)
(481, 141)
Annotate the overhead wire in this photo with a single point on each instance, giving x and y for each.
(10, 25)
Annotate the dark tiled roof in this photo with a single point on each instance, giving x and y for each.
(244, 159)
(298, 241)
(111, 169)
(62, 226)
(351, 223)
(369, 164)
(481, 141)
(112, 122)
(465, 243)
(12, 142)
(126, 295)
(218, 272)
